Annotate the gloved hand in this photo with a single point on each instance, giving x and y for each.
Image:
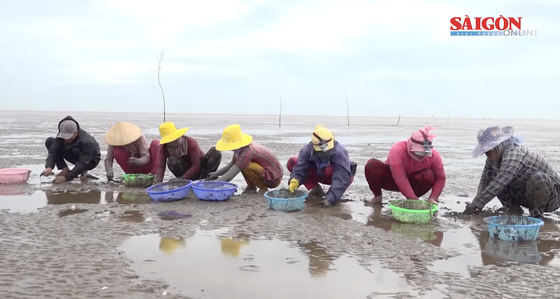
(156, 181)
(134, 162)
(211, 176)
(471, 209)
(110, 175)
(293, 184)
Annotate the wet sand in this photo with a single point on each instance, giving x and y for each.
(100, 240)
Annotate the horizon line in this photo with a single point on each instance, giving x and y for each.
(269, 114)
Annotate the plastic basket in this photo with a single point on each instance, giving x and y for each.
(170, 191)
(9, 176)
(513, 228)
(284, 200)
(138, 180)
(412, 211)
(214, 190)
(521, 252)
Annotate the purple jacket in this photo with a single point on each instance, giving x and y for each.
(342, 170)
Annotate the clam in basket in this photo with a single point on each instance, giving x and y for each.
(214, 190)
(285, 200)
(513, 228)
(170, 191)
(10, 176)
(413, 211)
(138, 180)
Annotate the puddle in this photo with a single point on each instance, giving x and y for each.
(172, 215)
(133, 198)
(71, 211)
(132, 216)
(381, 218)
(479, 249)
(243, 268)
(23, 203)
(61, 198)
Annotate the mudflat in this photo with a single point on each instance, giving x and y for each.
(96, 239)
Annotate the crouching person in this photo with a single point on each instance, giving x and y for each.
(183, 155)
(323, 160)
(258, 165)
(514, 174)
(74, 145)
(130, 148)
(413, 167)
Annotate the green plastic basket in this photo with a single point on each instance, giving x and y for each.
(138, 180)
(412, 211)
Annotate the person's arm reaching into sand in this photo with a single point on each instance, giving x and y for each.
(439, 173)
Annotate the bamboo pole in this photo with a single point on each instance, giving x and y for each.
(160, 61)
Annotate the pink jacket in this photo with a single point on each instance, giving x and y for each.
(402, 164)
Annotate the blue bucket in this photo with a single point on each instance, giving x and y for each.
(170, 191)
(214, 190)
(284, 200)
(513, 228)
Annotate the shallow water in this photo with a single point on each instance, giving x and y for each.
(69, 234)
(213, 267)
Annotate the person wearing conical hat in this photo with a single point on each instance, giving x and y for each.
(183, 156)
(514, 174)
(258, 165)
(413, 167)
(129, 147)
(323, 160)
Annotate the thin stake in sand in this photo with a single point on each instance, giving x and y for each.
(160, 61)
(399, 120)
(348, 111)
(280, 114)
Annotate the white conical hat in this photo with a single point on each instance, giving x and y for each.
(122, 133)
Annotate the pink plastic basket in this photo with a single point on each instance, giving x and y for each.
(10, 176)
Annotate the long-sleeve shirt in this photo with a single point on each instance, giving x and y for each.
(516, 167)
(340, 161)
(254, 152)
(193, 156)
(402, 165)
(88, 148)
(139, 149)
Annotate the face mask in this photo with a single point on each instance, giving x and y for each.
(324, 155)
(423, 154)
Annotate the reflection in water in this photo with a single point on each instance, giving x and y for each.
(542, 251)
(132, 216)
(232, 247)
(209, 267)
(424, 232)
(319, 260)
(69, 212)
(60, 198)
(133, 198)
(169, 245)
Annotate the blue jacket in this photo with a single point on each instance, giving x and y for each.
(343, 170)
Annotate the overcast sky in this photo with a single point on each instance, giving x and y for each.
(388, 57)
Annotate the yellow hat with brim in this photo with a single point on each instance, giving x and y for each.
(170, 133)
(322, 139)
(233, 138)
(122, 133)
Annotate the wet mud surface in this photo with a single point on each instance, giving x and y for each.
(94, 239)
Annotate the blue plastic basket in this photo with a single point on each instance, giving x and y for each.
(513, 228)
(170, 191)
(214, 190)
(284, 200)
